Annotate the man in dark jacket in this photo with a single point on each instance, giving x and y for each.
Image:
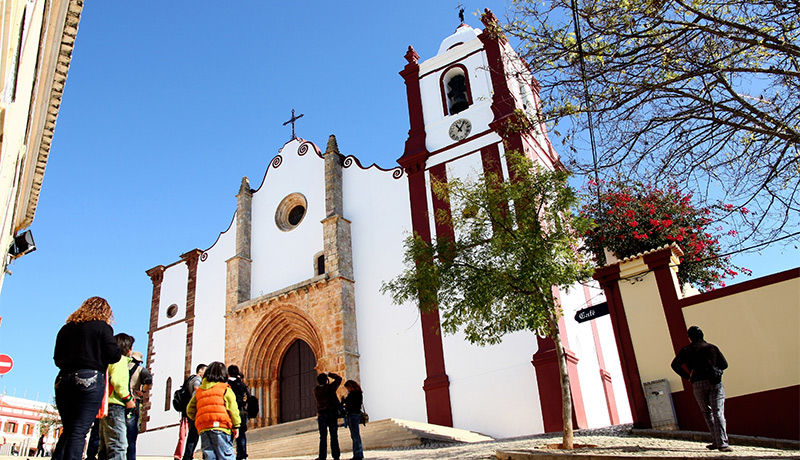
(327, 413)
(187, 433)
(242, 393)
(705, 364)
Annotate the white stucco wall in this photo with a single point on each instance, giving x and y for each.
(167, 360)
(281, 258)
(389, 336)
(209, 303)
(173, 291)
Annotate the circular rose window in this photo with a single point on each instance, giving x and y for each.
(291, 212)
(172, 310)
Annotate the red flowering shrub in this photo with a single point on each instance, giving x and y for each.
(631, 218)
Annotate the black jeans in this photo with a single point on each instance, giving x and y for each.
(327, 422)
(241, 440)
(79, 396)
(191, 441)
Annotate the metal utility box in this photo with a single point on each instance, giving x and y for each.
(659, 404)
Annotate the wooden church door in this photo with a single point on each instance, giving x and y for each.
(298, 379)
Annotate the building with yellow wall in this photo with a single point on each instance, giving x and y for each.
(36, 38)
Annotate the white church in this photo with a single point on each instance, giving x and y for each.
(292, 287)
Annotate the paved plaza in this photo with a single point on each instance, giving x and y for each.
(607, 444)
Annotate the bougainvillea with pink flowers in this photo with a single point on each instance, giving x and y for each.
(631, 218)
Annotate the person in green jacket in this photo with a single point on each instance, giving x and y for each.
(113, 429)
(215, 413)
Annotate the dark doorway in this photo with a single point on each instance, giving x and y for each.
(298, 379)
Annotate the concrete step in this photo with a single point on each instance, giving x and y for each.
(302, 438)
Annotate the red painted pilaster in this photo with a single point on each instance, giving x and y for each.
(605, 376)
(608, 278)
(190, 258)
(415, 150)
(437, 383)
(548, 377)
(156, 275)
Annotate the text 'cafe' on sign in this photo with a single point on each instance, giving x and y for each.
(590, 313)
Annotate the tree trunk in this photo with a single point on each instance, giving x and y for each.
(566, 397)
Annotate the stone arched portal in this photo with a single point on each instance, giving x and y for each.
(280, 327)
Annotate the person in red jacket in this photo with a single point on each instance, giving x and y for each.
(215, 413)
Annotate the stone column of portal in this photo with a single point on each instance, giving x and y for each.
(237, 283)
(338, 249)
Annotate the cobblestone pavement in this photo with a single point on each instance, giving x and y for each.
(612, 442)
(615, 442)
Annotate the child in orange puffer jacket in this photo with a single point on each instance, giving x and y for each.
(215, 413)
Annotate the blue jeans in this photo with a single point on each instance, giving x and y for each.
(711, 399)
(217, 445)
(79, 395)
(353, 420)
(132, 428)
(327, 421)
(114, 434)
(241, 440)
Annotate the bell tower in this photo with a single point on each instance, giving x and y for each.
(461, 104)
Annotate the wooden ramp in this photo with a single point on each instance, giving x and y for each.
(301, 437)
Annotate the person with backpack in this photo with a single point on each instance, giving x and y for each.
(187, 434)
(215, 413)
(705, 364)
(242, 392)
(141, 381)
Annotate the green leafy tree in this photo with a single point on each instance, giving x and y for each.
(512, 242)
(705, 93)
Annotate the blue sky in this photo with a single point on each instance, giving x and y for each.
(167, 105)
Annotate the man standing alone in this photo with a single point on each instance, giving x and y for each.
(705, 363)
(327, 413)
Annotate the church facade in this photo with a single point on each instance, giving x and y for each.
(292, 287)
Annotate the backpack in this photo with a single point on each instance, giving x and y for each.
(182, 396)
(252, 407)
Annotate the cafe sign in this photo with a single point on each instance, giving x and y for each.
(588, 314)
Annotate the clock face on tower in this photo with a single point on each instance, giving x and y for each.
(460, 129)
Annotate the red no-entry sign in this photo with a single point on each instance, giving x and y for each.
(6, 363)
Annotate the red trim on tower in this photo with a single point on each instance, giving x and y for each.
(444, 229)
(490, 159)
(502, 101)
(415, 151)
(608, 278)
(437, 384)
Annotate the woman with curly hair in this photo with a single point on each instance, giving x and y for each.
(85, 346)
